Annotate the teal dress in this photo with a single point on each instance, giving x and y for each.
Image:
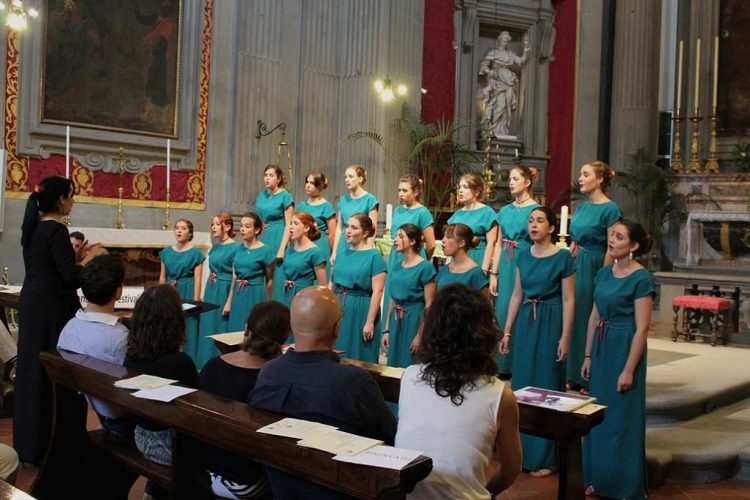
(299, 270)
(250, 266)
(614, 453)
(537, 334)
(514, 224)
(588, 228)
(420, 217)
(352, 280)
(408, 294)
(271, 208)
(322, 213)
(180, 269)
(220, 262)
(349, 206)
(481, 222)
(473, 278)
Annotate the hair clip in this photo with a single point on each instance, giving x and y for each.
(38, 188)
(533, 171)
(611, 172)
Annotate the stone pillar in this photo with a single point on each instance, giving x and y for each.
(635, 85)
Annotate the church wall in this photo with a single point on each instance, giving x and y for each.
(308, 64)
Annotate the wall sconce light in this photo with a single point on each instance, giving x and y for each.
(16, 19)
(385, 89)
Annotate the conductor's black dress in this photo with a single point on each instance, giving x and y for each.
(48, 301)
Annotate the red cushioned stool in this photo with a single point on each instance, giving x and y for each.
(715, 305)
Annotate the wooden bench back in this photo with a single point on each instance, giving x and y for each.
(231, 425)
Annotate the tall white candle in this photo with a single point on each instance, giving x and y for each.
(67, 152)
(716, 70)
(169, 154)
(564, 220)
(388, 216)
(679, 77)
(697, 75)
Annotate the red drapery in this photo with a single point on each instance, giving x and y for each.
(562, 81)
(438, 61)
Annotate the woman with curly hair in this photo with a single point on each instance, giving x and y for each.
(233, 376)
(454, 384)
(156, 336)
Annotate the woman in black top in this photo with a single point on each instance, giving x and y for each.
(48, 300)
(156, 336)
(233, 376)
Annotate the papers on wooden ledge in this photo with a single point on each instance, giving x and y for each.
(143, 382)
(382, 456)
(320, 436)
(554, 400)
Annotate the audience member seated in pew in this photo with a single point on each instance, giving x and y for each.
(8, 464)
(310, 383)
(233, 376)
(97, 332)
(453, 408)
(156, 337)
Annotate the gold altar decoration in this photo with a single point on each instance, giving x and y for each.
(120, 224)
(489, 172)
(712, 165)
(677, 166)
(694, 165)
(167, 223)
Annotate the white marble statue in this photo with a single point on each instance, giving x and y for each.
(500, 69)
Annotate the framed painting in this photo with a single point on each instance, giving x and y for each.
(113, 65)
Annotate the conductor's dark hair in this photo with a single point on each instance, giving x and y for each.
(44, 199)
(158, 326)
(78, 235)
(638, 234)
(459, 341)
(266, 329)
(101, 278)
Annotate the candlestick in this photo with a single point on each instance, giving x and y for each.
(716, 71)
(67, 152)
(167, 224)
(677, 166)
(712, 165)
(562, 234)
(169, 154)
(679, 77)
(120, 224)
(564, 220)
(388, 219)
(694, 165)
(697, 75)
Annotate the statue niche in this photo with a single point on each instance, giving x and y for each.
(498, 86)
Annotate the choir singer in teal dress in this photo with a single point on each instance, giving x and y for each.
(457, 239)
(182, 267)
(540, 314)
(254, 264)
(356, 201)
(614, 452)
(512, 237)
(410, 211)
(218, 285)
(358, 279)
(413, 281)
(589, 228)
(323, 213)
(274, 204)
(303, 262)
(478, 216)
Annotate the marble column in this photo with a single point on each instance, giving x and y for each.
(635, 85)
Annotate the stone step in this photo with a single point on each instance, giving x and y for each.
(689, 379)
(706, 449)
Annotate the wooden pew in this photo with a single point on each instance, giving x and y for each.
(566, 428)
(207, 418)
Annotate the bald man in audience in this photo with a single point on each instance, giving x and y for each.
(310, 383)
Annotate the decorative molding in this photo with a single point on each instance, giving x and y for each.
(41, 140)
